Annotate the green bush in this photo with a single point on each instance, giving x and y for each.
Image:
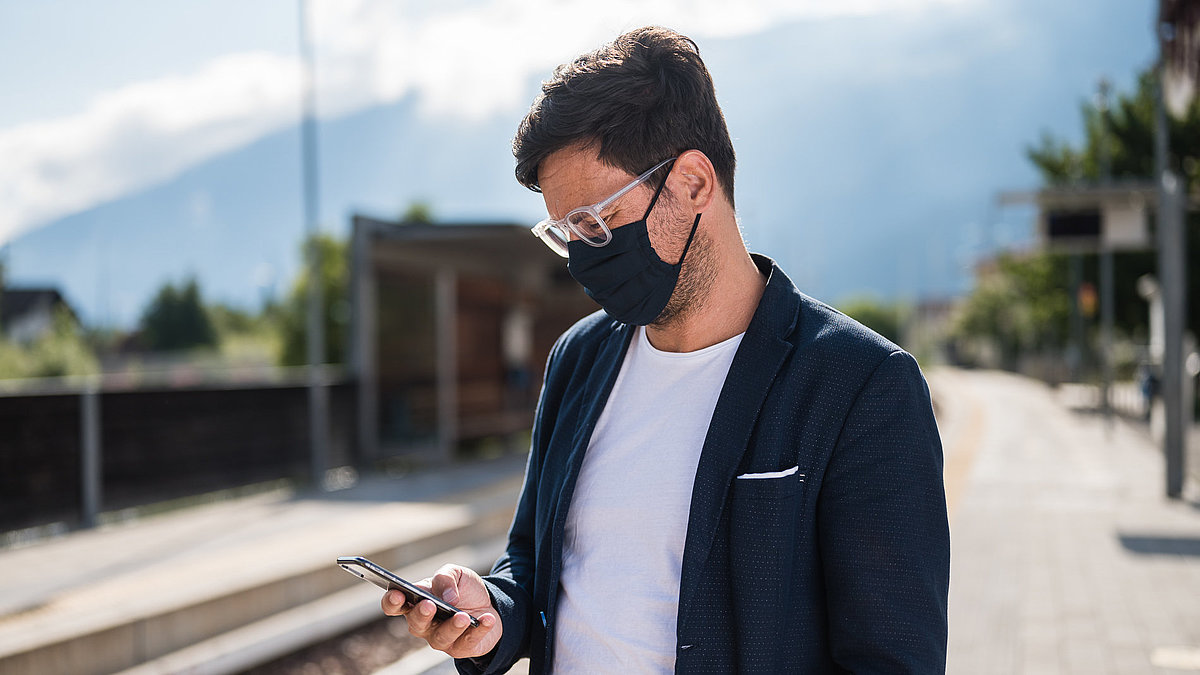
(887, 319)
(59, 353)
(335, 290)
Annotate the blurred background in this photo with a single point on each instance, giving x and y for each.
(270, 258)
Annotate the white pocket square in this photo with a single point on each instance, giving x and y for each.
(770, 474)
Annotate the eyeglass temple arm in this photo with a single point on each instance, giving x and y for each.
(636, 182)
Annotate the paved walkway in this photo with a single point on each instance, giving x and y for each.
(145, 589)
(1066, 556)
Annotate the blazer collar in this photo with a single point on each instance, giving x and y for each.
(761, 354)
(779, 309)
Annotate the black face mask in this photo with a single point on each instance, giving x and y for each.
(626, 277)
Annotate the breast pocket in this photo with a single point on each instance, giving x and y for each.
(773, 485)
(765, 514)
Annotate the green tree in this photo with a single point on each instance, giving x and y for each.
(1127, 130)
(62, 351)
(885, 319)
(1127, 127)
(3, 265)
(1022, 304)
(227, 319)
(335, 285)
(176, 319)
(418, 212)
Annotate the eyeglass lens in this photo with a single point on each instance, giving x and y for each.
(556, 237)
(585, 226)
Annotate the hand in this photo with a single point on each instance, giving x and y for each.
(462, 588)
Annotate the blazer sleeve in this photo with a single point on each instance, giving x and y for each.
(510, 583)
(883, 532)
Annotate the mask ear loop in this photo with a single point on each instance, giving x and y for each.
(689, 241)
(657, 192)
(654, 200)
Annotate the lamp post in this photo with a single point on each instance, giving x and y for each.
(318, 394)
(1176, 29)
(1106, 271)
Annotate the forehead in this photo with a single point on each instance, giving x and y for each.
(574, 177)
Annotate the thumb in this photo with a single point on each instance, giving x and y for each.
(445, 584)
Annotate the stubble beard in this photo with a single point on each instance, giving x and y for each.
(697, 276)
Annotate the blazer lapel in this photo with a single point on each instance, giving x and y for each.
(600, 382)
(758, 360)
(605, 367)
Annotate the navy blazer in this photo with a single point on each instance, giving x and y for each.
(842, 566)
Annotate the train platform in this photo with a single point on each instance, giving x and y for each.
(1066, 556)
(223, 587)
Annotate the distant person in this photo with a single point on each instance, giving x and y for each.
(726, 475)
(1148, 383)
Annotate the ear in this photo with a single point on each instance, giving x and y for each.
(693, 181)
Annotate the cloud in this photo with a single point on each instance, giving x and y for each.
(468, 61)
(139, 135)
(472, 60)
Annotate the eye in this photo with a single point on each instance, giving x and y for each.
(609, 213)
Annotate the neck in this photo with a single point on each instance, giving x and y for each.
(725, 308)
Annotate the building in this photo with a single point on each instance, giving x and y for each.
(451, 328)
(27, 314)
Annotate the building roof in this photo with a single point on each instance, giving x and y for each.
(18, 302)
(490, 247)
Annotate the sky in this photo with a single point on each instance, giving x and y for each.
(125, 94)
(103, 102)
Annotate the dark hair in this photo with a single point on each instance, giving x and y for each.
(642, 98)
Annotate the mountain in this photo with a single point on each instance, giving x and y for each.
(236, 222)
(870, 150)
(873, 166)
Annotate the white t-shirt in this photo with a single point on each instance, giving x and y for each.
(628, 518)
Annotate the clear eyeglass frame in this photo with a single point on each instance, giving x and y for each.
(585, 222)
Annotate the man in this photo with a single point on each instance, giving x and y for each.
(725, 475)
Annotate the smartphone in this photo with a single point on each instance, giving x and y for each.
(387, 580)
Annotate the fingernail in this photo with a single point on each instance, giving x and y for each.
(461, 620)
(426, 610)
(449, 595)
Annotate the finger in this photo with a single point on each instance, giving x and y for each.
(420, 619)
(468, 644)
(394, 603)
(449, 631)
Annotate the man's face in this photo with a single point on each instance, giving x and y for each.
(574, 177)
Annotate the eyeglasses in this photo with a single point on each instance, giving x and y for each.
(586, 222)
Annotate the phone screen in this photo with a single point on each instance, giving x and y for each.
(388, 580)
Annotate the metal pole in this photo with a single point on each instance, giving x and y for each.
(1106, 332)
(318, 394)
(90, 461)
(1106, 270)
(365, 348)
(446, 313)
(1075, 350)
(1173, 277)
